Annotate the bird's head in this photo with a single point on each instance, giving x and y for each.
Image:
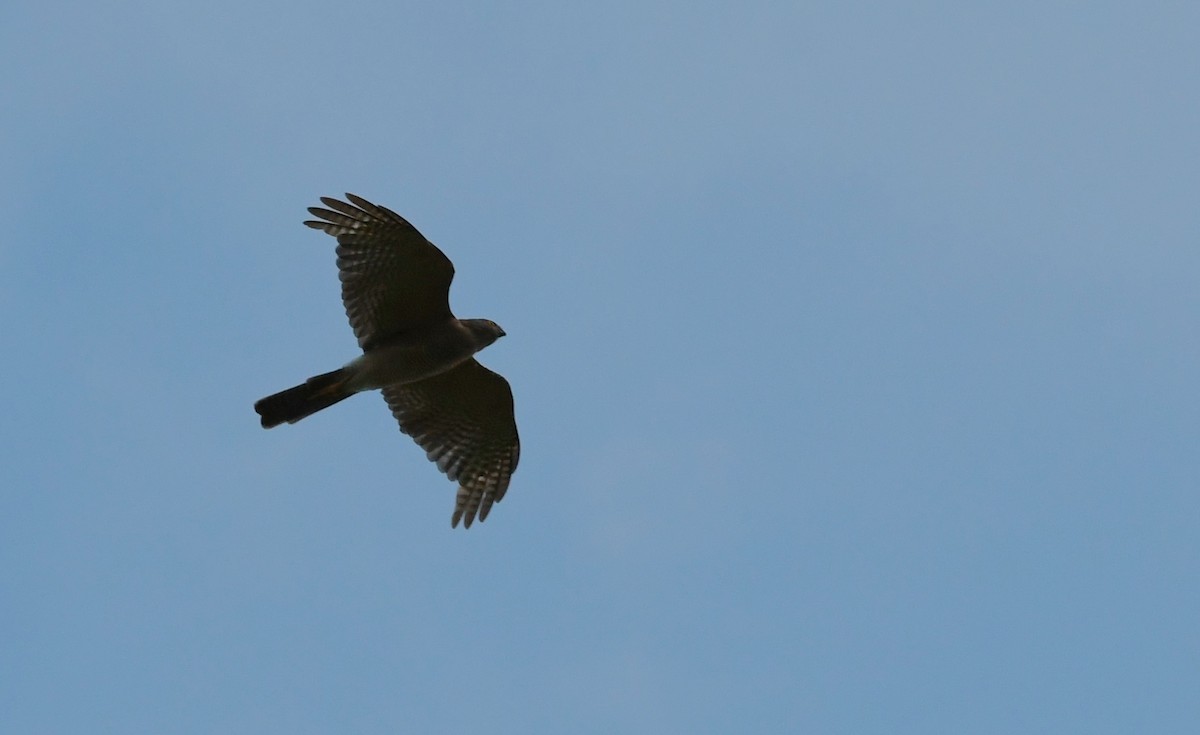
(485, 331)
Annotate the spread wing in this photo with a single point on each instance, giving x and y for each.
(393, 279)
(463, 419)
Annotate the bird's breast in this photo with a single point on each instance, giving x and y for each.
(411, 356)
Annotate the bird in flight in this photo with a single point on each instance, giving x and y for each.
(396, 288)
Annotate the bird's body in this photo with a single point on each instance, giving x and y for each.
(418, 354)
(395, 285)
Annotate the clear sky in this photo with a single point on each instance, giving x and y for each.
(854, 348)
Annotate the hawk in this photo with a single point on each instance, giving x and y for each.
(395, 287)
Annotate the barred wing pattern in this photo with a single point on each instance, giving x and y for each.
(463, 419)
(393, 279)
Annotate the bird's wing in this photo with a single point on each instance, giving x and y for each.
(463, 419)
(393, 279)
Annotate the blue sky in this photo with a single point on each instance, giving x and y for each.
(853, 345)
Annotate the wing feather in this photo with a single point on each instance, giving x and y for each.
(463, 419)
(393, 279)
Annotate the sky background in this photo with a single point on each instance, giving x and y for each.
(854, 348)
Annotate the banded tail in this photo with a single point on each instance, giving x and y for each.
(293, 404)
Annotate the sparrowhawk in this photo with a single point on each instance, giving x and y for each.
(395, 287)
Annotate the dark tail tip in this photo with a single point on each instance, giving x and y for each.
(293, 404)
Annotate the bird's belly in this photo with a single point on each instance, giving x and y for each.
(404, 363)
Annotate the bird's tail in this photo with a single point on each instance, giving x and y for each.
(293, 404)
